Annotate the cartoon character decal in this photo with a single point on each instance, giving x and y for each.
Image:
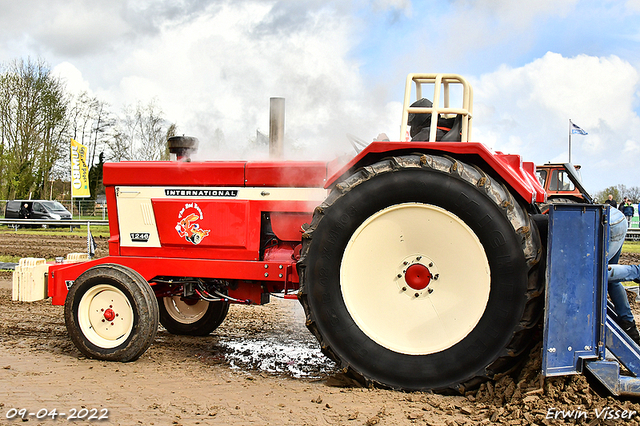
(187, 226)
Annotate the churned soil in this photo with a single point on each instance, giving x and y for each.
(225, 378)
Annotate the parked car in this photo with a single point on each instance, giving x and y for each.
(36, 210)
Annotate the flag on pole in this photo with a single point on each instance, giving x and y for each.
(79, 171)
(577, 130)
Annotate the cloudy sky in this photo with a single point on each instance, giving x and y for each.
(341, 65)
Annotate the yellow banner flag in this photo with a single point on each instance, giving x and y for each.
(79, 171)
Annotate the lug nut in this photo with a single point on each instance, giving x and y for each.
(399, 275)
(436, 276)
(417, 295)
(430, 290)
(404, 289)
(430, 264)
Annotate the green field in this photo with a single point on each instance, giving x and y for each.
(96, 230)
(631, 247)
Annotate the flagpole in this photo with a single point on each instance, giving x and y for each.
(569, 140)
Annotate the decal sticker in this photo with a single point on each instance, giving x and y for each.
(188, 227)
(180, 192)
(139, 237)
(68, 283)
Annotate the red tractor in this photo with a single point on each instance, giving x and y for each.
(563, 184)
(417, 262)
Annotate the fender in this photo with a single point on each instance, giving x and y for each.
(517, 175)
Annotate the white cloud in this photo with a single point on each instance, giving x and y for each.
(220, 70)
(395, 6)
(72, 77)
(536, 101)
(633, 5)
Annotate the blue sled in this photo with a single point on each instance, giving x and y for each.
(580, 331)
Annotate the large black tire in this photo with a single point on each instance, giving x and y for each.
(466, 309)
(198, 319)
(111, 313)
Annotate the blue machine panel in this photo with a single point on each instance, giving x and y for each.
(575, 305)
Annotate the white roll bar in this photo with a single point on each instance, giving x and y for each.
(440, 84)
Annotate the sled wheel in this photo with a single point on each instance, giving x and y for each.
(111, 313)
(420, 272)
(197, 318)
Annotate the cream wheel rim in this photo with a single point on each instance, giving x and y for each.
(415, 278)
(105, 316)
(185, 313)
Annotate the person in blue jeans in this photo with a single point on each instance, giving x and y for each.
(619, 273)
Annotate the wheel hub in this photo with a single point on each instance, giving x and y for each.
(109, 314)
(105, 316)
(417, 276)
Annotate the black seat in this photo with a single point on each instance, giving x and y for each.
(448, 128)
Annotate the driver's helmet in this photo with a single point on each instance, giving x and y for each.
(419, 121)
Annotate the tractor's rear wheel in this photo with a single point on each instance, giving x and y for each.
(111, 313)
(191, 318)
(420, 272)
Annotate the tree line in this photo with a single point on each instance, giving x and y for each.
(619, 192)
(38, 118)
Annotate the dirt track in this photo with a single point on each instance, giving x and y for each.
(189, 380)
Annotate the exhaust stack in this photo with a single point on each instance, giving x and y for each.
(276, 128)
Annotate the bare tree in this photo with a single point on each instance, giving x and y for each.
(91, 124)
(142, 134)
(33, 122)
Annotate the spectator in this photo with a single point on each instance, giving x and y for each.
(24, 211)
(624, 200)
(627, 210)
(611, 202)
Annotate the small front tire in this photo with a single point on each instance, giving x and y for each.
(111, 313)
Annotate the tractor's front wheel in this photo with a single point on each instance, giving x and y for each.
(111, 313)
(419, 272)
(193, 318)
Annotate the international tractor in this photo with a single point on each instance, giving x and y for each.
(420, 264)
